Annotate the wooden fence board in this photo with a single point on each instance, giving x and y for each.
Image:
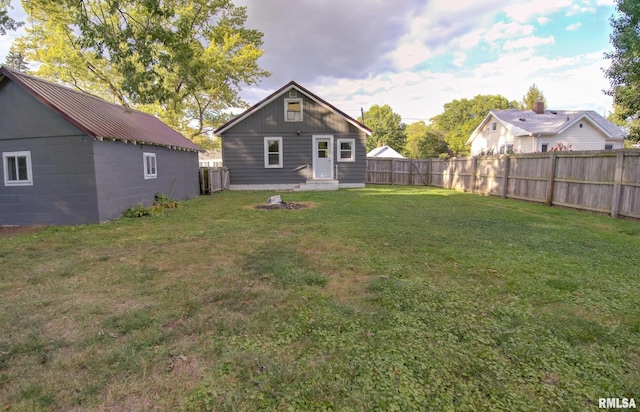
(213, 179)
(602, 181)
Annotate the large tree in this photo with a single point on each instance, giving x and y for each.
(6, 22)
(387, 127)
(182, 60)
(533, 95)
(16, 61)
(624, 72)
(461, 117)
(424, 141)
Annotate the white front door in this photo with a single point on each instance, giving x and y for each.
(323, 157)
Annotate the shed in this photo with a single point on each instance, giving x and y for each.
(71, 158)
(294, 140)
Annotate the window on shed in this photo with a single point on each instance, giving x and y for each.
(17, 169)
(273, 152)
(608, 146)
(293, 110)
(545, 147)
(150, 166)
(346, 150)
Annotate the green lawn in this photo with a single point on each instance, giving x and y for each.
(384, 298)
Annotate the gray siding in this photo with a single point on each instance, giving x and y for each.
(243, 144)
(120, 176)
(23, 116)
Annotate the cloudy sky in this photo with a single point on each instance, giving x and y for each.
(417, 55)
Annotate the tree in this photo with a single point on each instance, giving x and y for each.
(624, 72)
(16, 61)
(533, 95)
(387, 128)
(182, 60)
(424, 141)
(461, 117)
(6, 22)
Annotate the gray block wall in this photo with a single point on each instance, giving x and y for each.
(77, 179)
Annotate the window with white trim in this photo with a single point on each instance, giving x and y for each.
(494, 126)
(293, 110)
(17, 169)
(346, 150)
(273, 152)
(150, 166)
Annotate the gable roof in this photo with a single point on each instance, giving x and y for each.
(550, 123)
(99, 118)
(280, 92)
(384, 151)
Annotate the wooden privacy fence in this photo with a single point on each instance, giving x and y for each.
(213, 179)
(602, 181)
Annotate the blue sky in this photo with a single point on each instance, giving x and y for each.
(417, 55)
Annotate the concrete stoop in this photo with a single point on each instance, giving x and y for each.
(316, 185)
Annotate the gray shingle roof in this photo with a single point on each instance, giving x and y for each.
(551, 122)
(99, 118)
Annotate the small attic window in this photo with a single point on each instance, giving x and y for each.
(494, 126)
(292, 110)
(293, 93)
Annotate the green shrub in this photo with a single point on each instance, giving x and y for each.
(160, 203)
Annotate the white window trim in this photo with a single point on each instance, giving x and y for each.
(5, 166)
(266, 152)
(286, 105)
(352, 142)
(146, 156)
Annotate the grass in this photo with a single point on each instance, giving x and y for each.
(384, 298)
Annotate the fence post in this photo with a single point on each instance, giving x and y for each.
(552, 177)
(474, 168)
(410, 172)
(617, 185)
(505, 179)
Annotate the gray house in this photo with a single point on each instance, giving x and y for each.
(294, 140)
(71, 158)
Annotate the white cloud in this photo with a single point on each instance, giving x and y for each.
(501, 31)
(524, 11)
(459, 59)
(528, 42)
(574, 26)
(410, 55)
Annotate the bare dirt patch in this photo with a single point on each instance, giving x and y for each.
(283, 206)
(10, 231)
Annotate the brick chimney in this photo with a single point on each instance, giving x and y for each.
(538, 107)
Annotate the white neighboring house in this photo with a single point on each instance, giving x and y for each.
(385, 151)
(540, 130)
